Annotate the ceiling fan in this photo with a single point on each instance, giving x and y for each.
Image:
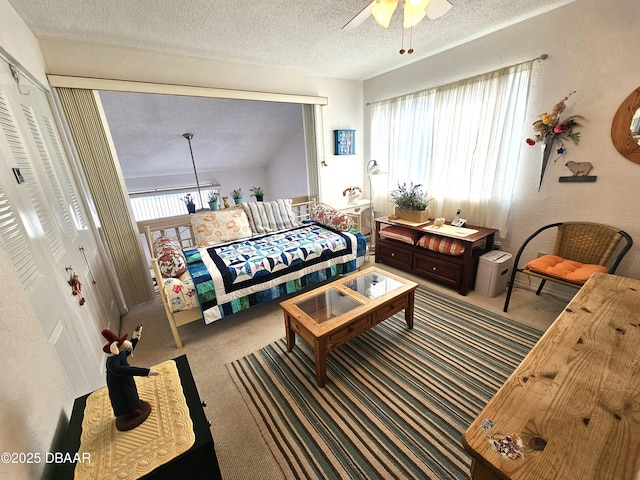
(414, 12)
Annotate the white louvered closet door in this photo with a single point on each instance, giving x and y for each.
(43, 228)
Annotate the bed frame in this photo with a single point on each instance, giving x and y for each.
(180, 228)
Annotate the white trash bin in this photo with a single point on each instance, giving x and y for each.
(493, 272)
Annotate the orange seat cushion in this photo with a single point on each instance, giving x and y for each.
(569, 270)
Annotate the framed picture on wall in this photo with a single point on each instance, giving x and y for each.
(345, 142)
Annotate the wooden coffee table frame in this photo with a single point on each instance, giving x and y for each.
(324, 337)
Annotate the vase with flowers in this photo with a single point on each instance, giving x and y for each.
(411, 203)
(551, 131)
(188, 201)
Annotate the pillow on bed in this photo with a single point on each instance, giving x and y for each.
(266, 217)
(332, 218)
(171, 260)
(180, 292)
(220, 226)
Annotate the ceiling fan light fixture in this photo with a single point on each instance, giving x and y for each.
(383, 10)
(419, 4)
(414, 12)
(412, 18)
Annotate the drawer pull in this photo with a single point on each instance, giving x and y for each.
(434, 268)
(393, 254)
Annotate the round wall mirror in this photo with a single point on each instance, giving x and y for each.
(625, 128)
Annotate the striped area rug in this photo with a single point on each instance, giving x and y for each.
(396, 401)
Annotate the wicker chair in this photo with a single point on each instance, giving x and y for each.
(591, 244)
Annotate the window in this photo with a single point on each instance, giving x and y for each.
(461, 141)
(160, 205)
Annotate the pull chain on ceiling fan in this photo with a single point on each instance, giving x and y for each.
(410, 51)
(414, 11)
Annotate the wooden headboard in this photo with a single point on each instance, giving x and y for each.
(178, 227)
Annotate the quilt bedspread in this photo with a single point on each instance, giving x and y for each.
(235, 276)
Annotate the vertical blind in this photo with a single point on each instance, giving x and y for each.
(312, 122)
(109, 196)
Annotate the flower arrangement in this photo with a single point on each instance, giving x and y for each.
(237, 193)
(411, 197)
(214, 196)
(551, 127)
(188, 200)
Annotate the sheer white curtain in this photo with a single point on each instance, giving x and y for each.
(461, 141)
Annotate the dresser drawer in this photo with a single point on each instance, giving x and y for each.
(449, 273)
(394, 255)
(348, 332)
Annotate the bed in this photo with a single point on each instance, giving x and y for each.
(217, 263)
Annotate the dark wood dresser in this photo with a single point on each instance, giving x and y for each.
(458, 271)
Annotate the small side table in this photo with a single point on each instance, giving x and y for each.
(355, 211)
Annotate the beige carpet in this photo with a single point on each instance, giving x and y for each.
(242, 452)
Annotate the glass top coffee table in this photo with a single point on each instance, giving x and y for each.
(334, 313)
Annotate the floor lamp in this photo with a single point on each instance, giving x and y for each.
(189, 136)
(373, 169)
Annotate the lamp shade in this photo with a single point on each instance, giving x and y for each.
(374, 169)
(383, 10)
(414, 12)
(412, 17)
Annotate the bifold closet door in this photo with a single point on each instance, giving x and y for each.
(92, 141)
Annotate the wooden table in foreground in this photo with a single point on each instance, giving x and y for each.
(574, 401)
(330, 315)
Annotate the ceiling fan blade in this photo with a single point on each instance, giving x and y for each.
(437, 8)
(360, 17)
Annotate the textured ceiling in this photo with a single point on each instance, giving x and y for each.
(301, 35)
(227, 134)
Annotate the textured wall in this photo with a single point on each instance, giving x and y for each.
(592, 49)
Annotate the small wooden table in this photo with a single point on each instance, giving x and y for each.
(574, 401)
(333, 314)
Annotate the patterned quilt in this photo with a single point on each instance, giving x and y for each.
(238, 275)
